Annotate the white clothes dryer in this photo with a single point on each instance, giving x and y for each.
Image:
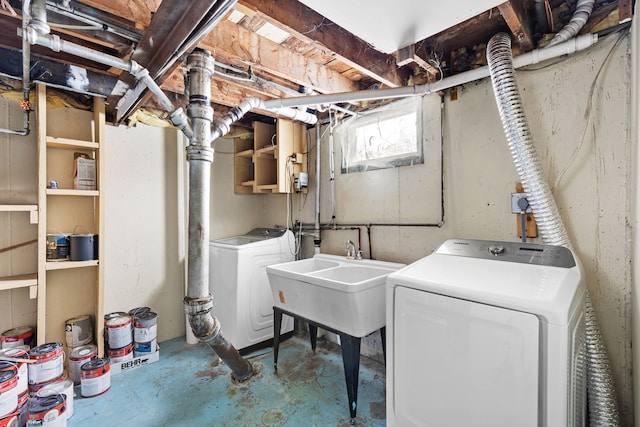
(242, 299)
(484, 333)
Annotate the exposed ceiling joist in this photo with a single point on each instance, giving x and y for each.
(517, 18)
(313, 28)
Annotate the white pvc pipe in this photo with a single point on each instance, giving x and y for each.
(56, 44)
(529, 58)
(579, 18)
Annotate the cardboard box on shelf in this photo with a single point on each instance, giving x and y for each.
(84, 172)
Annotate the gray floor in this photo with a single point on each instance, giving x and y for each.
(189, 387)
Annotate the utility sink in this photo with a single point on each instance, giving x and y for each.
(343, 294)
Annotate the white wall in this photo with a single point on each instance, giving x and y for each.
(144, 257)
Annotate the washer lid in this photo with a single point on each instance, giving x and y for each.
(266, 233)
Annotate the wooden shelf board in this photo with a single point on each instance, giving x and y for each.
(19, 281)
(247, 183)
(63, 265)
(269, 149)
(18, 208)
(71, 192)
(266, 187)
(245, 153)
(71, 143)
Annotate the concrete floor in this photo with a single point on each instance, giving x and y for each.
(189, 386)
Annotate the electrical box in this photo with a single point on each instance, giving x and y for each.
(300, 181)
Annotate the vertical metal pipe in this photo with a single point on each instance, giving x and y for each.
(198, 301)
(316, 229)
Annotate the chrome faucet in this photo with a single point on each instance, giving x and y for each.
(351, 251)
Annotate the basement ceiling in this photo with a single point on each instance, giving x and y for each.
(389, 26)
(277, 48)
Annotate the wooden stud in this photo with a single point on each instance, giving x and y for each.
(517, 18)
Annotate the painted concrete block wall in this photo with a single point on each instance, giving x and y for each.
(18, 185)
(581, 131)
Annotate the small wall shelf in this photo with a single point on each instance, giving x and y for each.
(260, 164)
(32, 209)
(21, 281)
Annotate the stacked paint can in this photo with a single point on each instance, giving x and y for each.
(49, 411)
(8, 390)
(15, 337)
(64, 387)
(79, 337)
(15, 357)
(47, 367)
(145, 331)
(119, 336)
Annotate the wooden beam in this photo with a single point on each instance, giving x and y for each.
(170, 28)
(625, 11)
(238, 46)
(308, 25)
(516, 16)
(407, 55)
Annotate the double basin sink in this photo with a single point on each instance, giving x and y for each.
(343, 294)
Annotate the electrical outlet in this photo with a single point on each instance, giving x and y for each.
(515, 209)
(297, 158)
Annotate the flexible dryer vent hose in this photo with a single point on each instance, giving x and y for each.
(603, 408)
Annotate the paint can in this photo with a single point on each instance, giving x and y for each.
(11, 420)
(8, 391)
(21, 352)
(78, 357)
(138, 310)
(48, 365)
(119, 355)
(35, 388)
(145, 327)
(119, 332)
(81, 246)
(144, 348)
(22, 335)
(78, 331)
(95, 377)
(47, 411)
(108, 317)
(61, 387)
(58, 247)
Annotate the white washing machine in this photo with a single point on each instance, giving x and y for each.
(238, 281)
(485, 333)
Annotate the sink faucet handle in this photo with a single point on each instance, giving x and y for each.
(351, 249)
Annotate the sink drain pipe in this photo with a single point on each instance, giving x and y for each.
(603, 407)
(198, 303)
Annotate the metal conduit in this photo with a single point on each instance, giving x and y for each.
(26, 76)
(603, 408)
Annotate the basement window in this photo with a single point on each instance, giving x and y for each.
(387, 137)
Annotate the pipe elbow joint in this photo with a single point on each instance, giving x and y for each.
(203, 323)
(138, 71)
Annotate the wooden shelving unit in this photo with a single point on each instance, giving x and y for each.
(64, 209)
(22, 280)
(260, 164)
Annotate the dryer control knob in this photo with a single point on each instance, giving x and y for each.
(496, 250)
